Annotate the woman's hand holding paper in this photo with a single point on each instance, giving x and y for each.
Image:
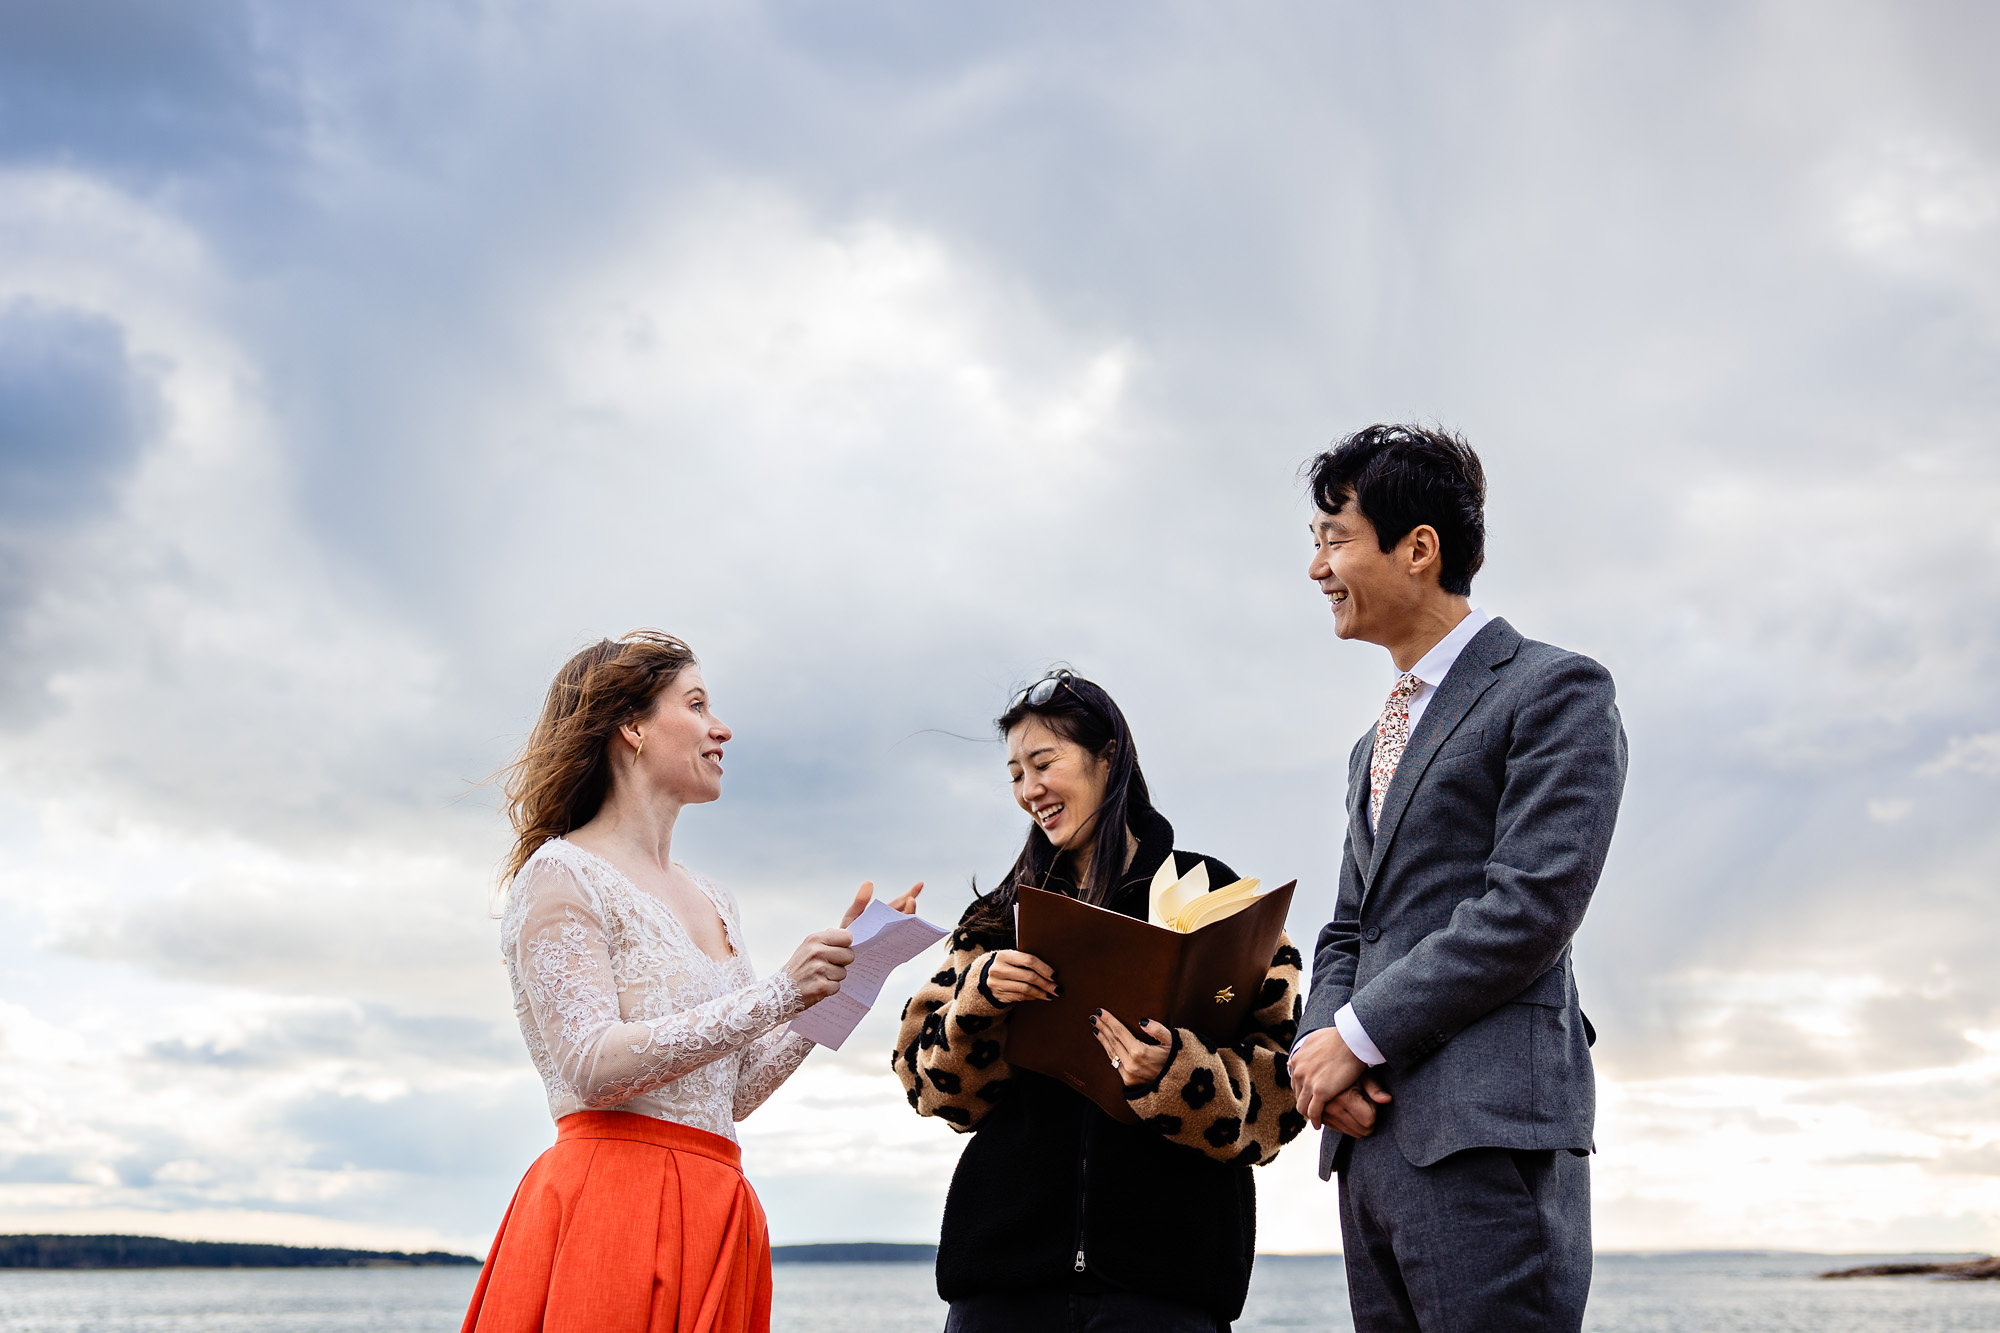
(1014, 976)
(819, 964)
(1138, 1059)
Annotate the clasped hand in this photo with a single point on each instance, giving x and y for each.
(1333, 1087)
(820, 963)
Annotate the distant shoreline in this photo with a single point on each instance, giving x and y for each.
(66, 1252)
(855, 1252)
(1983, 1269)
(102, 1252)
(71, 1253)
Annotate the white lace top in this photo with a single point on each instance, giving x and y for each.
(623, 1011)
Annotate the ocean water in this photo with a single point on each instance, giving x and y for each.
(1664, 1293)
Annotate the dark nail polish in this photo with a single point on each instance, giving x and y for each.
(1096, 1014)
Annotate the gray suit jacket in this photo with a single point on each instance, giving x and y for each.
(1452, 929)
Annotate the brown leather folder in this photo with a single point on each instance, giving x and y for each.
(1207, 981)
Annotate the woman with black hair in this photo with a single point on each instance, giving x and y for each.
(1060, 1216)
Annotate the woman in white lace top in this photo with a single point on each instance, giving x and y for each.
(651, 1031)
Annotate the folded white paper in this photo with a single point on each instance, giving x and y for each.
(883, 939)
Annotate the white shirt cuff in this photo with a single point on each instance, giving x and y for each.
(1356, 1037)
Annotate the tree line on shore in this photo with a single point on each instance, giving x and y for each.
(160, 1252)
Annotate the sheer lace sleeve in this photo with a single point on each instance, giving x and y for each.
(768, 1062)
(562, 958)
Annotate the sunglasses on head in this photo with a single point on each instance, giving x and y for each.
(1042, 690)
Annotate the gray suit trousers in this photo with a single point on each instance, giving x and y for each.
(1488, 1240)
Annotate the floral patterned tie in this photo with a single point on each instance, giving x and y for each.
(1392, 736)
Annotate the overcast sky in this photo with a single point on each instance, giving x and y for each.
(358, 363)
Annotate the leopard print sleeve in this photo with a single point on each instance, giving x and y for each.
(948, 1050)
(1233, 1103)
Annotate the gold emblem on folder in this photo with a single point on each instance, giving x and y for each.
(1225, 995)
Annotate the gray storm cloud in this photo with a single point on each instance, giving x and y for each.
(357, 365)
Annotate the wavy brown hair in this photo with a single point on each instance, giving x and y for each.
(559, 781)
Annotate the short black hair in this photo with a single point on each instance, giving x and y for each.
(1402, 477)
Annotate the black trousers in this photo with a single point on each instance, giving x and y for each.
(1489, 1240)
(1078, 1312)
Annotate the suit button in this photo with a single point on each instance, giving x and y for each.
(1372, 934)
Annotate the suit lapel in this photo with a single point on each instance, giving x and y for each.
(1469, 678)
(1358, 832)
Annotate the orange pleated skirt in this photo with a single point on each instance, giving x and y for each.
(629, 1225)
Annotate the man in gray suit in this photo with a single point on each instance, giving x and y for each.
(1442, 1050)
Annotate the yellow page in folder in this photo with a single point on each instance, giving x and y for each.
(1170, 896)
(1211, 907)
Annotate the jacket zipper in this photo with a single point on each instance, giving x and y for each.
(1082, 1185)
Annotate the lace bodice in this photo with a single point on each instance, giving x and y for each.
(623, 1011)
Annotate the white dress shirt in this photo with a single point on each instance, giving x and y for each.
(1431, 669)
